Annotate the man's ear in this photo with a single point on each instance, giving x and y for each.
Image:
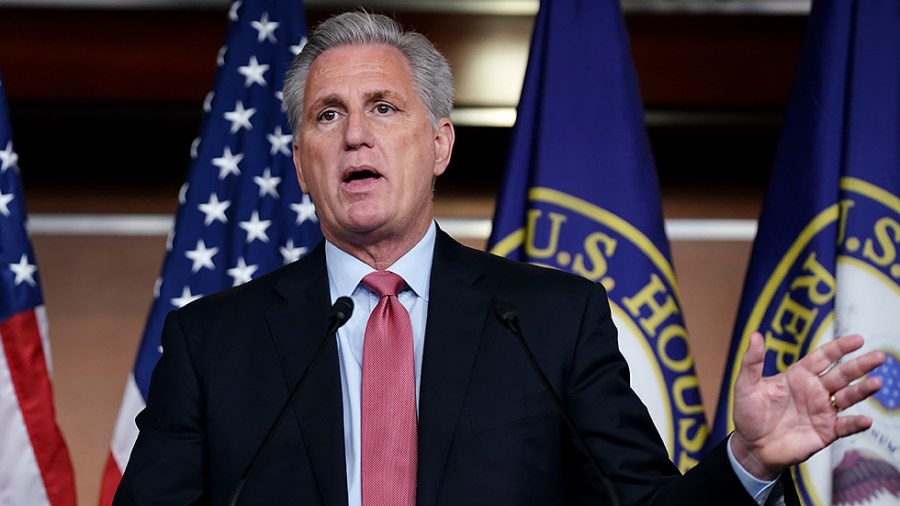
(444, 137)
(295, 147)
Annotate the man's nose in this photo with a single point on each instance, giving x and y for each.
(358, 132)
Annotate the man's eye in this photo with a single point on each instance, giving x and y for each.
(327, 116)
(383, 109)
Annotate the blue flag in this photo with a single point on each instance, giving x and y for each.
(581, 194)
(242, 213)
(824, 262)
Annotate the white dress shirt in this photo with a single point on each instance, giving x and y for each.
(344, 275)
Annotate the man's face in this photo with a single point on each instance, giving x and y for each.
(368, 152)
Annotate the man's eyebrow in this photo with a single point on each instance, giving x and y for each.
(376, 95)
(327, 101)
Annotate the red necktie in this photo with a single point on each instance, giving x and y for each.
(388, 415)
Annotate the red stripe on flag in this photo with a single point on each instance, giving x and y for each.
(111, 478)
(31, 380)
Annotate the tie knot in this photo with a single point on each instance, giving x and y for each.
(384, 283)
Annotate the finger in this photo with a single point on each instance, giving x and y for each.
(752, 363)
(851, 424)
(857, 392)
(822, 357)
(845, 373)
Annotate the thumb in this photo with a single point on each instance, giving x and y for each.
(752, 363)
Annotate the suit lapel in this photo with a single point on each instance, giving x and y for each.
(298, 325)
(456, 316)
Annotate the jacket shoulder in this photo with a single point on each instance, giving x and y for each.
(260, 292)
(518, 275)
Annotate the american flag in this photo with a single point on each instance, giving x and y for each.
(241, 212)
(34, 463)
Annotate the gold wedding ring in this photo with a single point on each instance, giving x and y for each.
(834, 403)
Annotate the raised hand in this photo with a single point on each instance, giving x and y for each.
(784, 419)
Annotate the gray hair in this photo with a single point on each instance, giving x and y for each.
(430, 70)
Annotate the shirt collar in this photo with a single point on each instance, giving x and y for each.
(346, 271)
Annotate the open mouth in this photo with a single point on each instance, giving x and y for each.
(360, 175)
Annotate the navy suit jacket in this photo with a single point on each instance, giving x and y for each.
(488, 430)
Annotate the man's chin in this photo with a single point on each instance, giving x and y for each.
(362, 230)
(374, 227)
(366, 224)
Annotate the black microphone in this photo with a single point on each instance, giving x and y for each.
(340, 312)
(506, 313)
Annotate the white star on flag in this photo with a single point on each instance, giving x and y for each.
(228, 163)
(170, 237)
(220, 58)
(8, 158)
(279, 141)
(292, 253)
(265, 28)
(186, 298)
(253, 73)
(214, 210)
(240, 117)
(24, 271)
(305, 210)
(242, 272)
(268, 184)
(4, 202)
(182, 193)
(256, 228)
(202, 256)
(207, 101)
(233, 11)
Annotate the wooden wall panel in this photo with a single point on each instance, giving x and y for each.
(109, 56)
(715, 61)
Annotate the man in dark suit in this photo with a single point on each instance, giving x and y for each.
(370, 105)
